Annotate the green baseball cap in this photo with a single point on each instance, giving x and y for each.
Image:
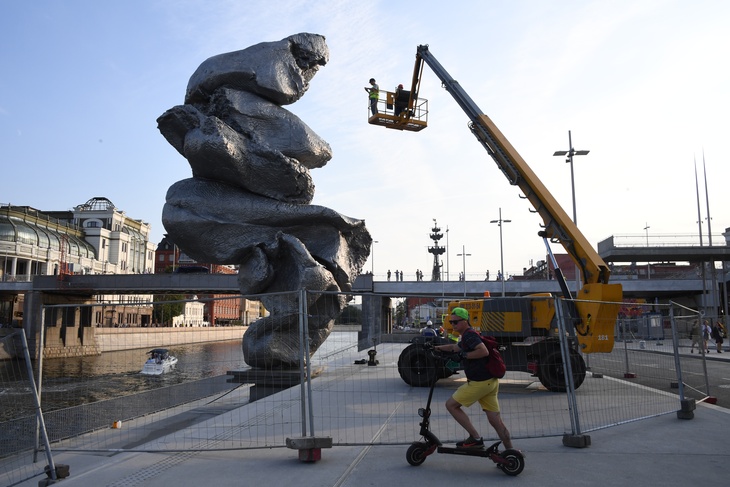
(461, 313)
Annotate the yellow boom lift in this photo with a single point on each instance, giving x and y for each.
(525, 326)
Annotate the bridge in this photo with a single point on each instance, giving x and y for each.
(610, 249)
(376, 295)
(633, 288)
(88, 285)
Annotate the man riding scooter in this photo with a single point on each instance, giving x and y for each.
(480, 386)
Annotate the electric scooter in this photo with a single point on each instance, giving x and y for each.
(510, 461)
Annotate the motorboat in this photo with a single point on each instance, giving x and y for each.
(159, 362)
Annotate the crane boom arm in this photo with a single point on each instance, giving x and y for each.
(598, 302)
(557, 224)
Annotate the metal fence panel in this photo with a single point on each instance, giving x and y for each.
(355, 395)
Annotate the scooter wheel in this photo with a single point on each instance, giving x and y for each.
(416, 454)
(515, 462)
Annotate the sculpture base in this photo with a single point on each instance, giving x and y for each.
(268, 382)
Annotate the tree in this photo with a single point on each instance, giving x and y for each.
(350, 315)
(167, 307)
(401, 312)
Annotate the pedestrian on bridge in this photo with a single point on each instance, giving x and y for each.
(694, 336)
(706, 335)
(717, 334)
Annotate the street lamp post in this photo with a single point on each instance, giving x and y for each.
(372, 259)
(463, 256)
(501, 248)
(447, 252)
(569, 159)
(648, 264)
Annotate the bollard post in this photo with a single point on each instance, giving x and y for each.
(627, 374)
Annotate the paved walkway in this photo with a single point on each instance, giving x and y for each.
(662, 451)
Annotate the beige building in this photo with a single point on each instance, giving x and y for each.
(193, 315)
(93, 238)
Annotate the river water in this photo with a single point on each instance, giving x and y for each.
(75, 381)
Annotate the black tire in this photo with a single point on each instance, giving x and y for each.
(416, 453)
(552, 374)
(515, 462)
(442, 372)
(579, 369)
(417, 367)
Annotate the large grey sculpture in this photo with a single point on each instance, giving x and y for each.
(248, 200)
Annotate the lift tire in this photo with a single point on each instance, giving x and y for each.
(417, 367)
(552, 375)
(515, 462)
(443, 372)
(416, 453)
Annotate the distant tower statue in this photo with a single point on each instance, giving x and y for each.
(436, 251)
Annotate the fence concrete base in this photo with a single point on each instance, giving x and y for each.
(62, 471)
(577, 441)
(687, 408)
(310, 447)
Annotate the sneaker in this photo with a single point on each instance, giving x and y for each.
(470, 443)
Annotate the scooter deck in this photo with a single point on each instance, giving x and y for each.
(470, 452)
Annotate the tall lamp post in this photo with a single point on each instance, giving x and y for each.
(447, 252)
(501, 248)
(648, 264)
(463, 256)
(372, 259)
(569, 159)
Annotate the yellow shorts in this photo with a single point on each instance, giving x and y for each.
(485, 392)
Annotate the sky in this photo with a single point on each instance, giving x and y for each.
(644, 85)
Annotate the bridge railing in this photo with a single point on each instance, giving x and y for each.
(659, 240)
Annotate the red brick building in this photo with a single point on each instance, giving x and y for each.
(220, 309)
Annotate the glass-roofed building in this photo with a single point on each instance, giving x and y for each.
(93, 238)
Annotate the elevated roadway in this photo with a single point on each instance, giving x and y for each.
(228, 284)
(138, 284)
(84, 287)
(633, 288)
(611, 252)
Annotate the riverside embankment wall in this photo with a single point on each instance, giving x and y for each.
(82, 341)
(114, 339)
(78, 342)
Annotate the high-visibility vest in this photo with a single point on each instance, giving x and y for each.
(374, 92)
